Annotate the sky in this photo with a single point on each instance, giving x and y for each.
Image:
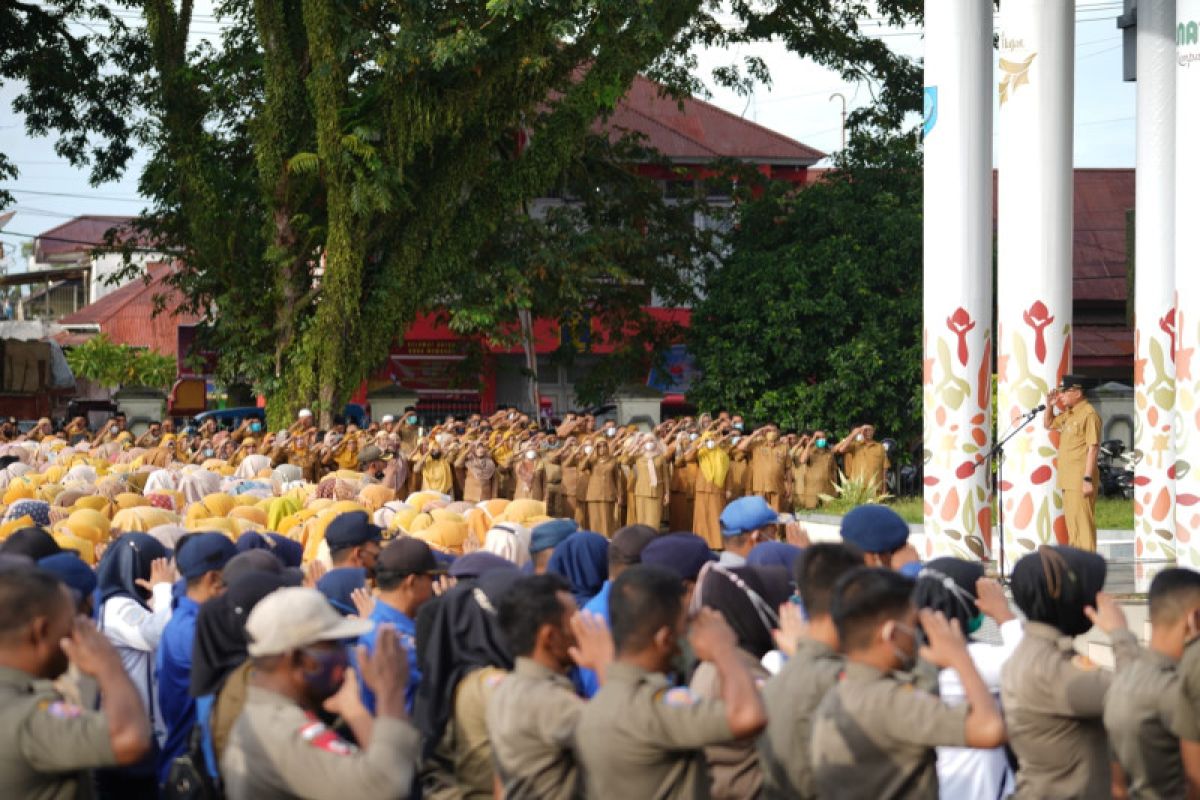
(798, 104)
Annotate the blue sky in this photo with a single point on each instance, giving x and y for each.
(49, 191)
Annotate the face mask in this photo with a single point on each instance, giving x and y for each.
(859, 438)
(735, 440)
(327, 677)
(435, 454)
(710, 445)
(821, 443)
(649, 448)
(208, 453)
(975, 624)
(531, 455)
(379, 475)
(611, 432)
(739, 426)
(256, 426)
(412, 420)
(693, 437)
(587, 449)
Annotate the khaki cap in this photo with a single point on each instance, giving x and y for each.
(295, 617)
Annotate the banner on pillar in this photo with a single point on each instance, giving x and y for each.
(1035, 232)
(1187, 284)
(957, 385)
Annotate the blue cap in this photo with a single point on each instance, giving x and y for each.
(550, 534)
(338, 586)
(350, 530)
(747, 514)
(875, 529)
(203, 552)
(682, 553)
(71, 570)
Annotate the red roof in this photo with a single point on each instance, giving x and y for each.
(72, 239)
(127, 315)
(699, 131)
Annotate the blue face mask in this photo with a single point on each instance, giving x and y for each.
(821, 443)
(256, 426)
(324, 680)
(412, 420)
(740, 426)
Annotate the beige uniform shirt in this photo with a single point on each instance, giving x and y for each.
(1138, 715)
(874, 737)
(1079, 429)
(640, 738)
(1186, 724)
(531, 720)
(733, 766)
(1053, 703)
(47, 745)
(867, 461)
(793, 696)
(277, 750)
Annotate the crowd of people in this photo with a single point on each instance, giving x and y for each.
(488, 609)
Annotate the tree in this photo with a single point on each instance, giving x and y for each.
(814, 320)
(112, 365)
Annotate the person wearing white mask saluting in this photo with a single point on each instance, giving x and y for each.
(865, 459)
(649, 478)
(712, 478)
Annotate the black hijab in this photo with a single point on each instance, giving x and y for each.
(948, 585)
(748, 597)
(220, 644)
(457, 633)
(127, 561)
(34, 543)
(1054, 584)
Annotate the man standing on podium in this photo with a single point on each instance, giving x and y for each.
(1078, 446)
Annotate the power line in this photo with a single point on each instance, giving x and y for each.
(78, 196)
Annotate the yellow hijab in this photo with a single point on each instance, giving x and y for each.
(714, 462)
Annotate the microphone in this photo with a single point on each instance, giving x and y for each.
(1037, 410)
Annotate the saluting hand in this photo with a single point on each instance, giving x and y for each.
(792, 628)
(991, 601)
(1107, 614)
(594, 647)
(946, 643)
(710, 635)
(90, 650)
(161, 571)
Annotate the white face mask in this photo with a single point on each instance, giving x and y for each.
(649, 447)
(710, 444)
(587, 449)
(611, 432)
(859, 438)
(735, 440)
(531, 455)
(693, 437)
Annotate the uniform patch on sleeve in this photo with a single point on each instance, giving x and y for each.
(1084, 663)
(494, 679)
(678, 697)
(62, 710)
(320, 737)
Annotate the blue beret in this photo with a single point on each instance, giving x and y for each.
(875, 529)
(550, 534)
(338, 586)
(204, 552)
(682, 553)
(747, 514)
(350, 530)
(71, 570)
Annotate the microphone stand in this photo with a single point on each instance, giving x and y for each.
(997, 452)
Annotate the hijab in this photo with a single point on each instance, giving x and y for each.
(774, 554)
(198, 485)
(474, 565)
(508, 540)
(127, 561)
(748, 597)
(34, 543)
(456, 634)
(1054, 584)
(948, 585)
(220, 643)
(36, 510)
(582, 558)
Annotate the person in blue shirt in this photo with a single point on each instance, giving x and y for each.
(199, 558)
(624, 551)
(404, 575)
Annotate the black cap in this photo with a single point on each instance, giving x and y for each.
(350, 530)
(407, 556)
(1070, 382)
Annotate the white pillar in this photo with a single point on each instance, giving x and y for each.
(1154, 289)
(1187, 283)
(1036, 77)
(958, 276)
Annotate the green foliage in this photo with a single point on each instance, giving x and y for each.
(112, 365)
(851, 493)
(814, 320)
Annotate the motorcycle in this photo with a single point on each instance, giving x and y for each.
(1116, 469)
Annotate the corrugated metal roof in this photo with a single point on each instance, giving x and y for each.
(76, 237)
(699, 131)
(127, 314)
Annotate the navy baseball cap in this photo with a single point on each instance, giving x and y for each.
(747, 514)
(350, 530)
(875, 529)
(204, 552)
(682, 553)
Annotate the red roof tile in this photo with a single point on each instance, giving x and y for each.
(700, 131)
(76, 237)
(127, 314)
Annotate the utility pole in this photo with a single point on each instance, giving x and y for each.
(843, 99)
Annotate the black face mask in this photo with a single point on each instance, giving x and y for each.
(379, 475)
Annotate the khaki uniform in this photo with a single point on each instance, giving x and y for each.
(708, 505)
(793, 696)
(739, 474)
(603, 491)
(555, 483)
(466, 739)
(873, 737)
(813, 477)
(583, 475)
(1053, 702)
(306, 460)
(278, 750)
(867, 461)
(1138, 716)
(732, 765)
(535, 487)
(531, 722)
(1079, 429)
(639, 738)
(681, 507)
(47, 745)
(767, 462)
(648, 497)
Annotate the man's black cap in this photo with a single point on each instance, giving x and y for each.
(407, 556)
(351, 529)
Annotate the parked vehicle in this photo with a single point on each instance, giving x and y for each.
(1116, 469)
